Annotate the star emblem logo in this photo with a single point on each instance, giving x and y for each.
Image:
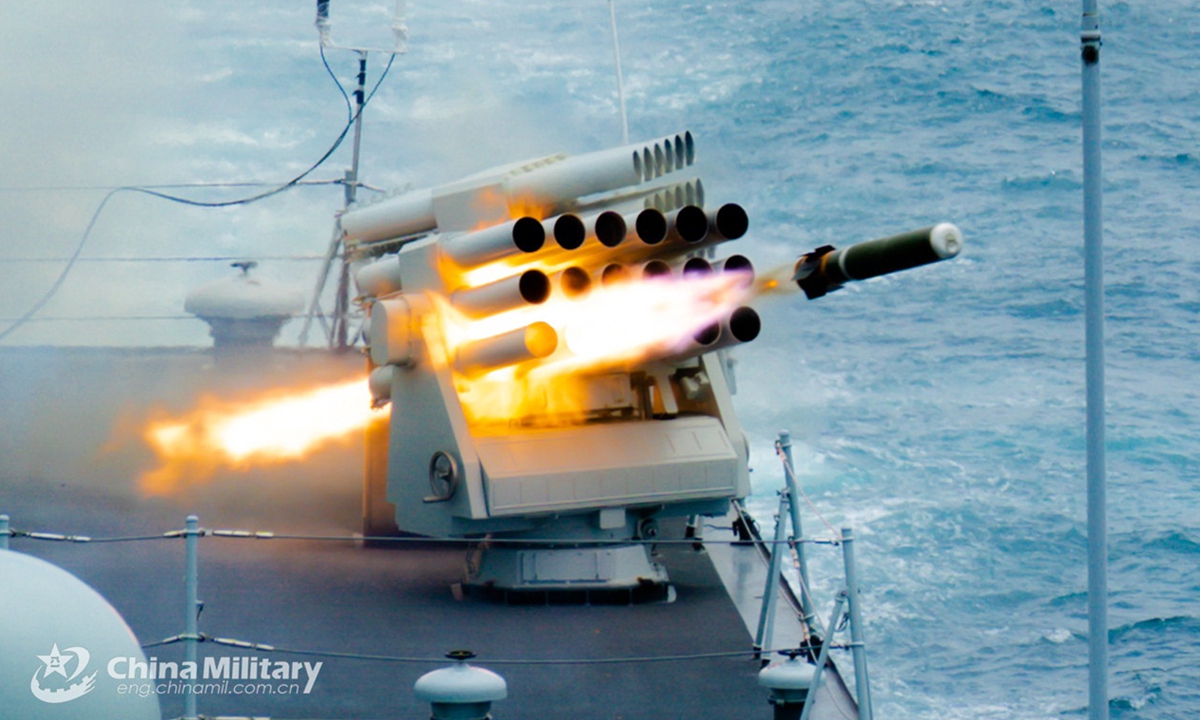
(67, 689)
(55, 662)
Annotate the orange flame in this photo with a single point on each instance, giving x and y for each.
(605, 330)
(274, 427)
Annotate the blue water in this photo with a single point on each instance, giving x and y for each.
(939, 413)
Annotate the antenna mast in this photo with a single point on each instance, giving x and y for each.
(338, 335)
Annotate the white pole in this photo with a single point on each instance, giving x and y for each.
(1093, 253)
(612, 16)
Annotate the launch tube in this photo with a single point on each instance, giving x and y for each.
(531, 287)
(742, 326)
(405, 214)
(471, 249)
(609, 228)
(729, 222)
(688, 223)
(390, 331)
(574, 282)
(826, 269)
(613, 273)
(568, 231)
(602, 171)
(696, 267)
(381, 277)
(739, 264)
(528, 343)
(651, 226)
(655, 269)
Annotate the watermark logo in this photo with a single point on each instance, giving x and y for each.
(52, 690)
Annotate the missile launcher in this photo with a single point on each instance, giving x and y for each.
(551, 336)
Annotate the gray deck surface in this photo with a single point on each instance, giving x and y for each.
(398, 601)
(59, 415)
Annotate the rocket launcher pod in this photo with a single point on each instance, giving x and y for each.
(528, 343)
(548, 182)
(531, 287)
(826, 269)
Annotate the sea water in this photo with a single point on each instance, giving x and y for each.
(939, 413)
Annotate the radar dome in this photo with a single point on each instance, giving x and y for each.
(244, 311)
(58, 636)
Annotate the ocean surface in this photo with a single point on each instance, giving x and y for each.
(939, 413)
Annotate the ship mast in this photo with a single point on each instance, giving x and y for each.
(1093, 252)
(338, 334)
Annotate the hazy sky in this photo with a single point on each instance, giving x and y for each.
(94, 96)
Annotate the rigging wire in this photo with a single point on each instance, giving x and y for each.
(342, 90)
(188, 201)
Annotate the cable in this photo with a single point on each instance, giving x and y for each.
(342, 90)
(187, 201)
(230, 642)
(166, 258)
(63, 275)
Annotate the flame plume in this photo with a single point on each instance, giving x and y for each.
(272, 428)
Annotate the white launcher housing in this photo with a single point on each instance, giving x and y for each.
(654, 439)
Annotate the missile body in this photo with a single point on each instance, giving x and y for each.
(827, 268)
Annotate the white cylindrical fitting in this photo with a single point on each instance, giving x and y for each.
(789, 682)
(531, 287)
(460, 692)
(381, 277)
(380, 384)
(405, 214)
(391, 331)
(528, 343)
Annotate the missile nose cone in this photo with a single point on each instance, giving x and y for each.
(946, 240)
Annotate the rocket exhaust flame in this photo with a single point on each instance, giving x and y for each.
(234, 435)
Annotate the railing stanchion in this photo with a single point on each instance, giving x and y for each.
(766, 616)
(823, 656)
(857, 645)
(192, 606)
(785, 444)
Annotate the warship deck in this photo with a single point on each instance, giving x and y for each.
(377, 617)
